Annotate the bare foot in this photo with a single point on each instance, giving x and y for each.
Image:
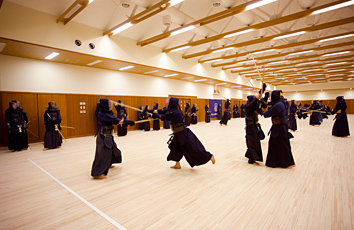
(99, 177)
(45, 149)
(291, 166)
(112, 166)
(212, 159)
(175, 167)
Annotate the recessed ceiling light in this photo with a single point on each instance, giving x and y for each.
(94, 62)
(51, 56)
(127, 67)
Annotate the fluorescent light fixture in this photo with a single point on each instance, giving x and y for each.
(51, 56)
(175, 2)
(289, 35)
(338, 53)
(200, 80)
(258, 4)
(310, 70)
(153, 71)
(121, 28)
(180, 48)
(264, 51)
(344, 4)
(94, 62)
(171, 75)
(236, 86)
(224, 83)
(183, 30)
(308, 63)
(335, 38)
(312, 75)
(221, 50)
(302, 52)
(284, 70)
(334, 75)
(336, 70)
(212, 60)
(277, 62)
(337, 63)
(238, 33)
(2, 46)
(127, 67)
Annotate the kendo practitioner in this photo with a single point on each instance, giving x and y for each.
(141, 117)
(253, 129)
(324, 115)
(328, 110)
(225, 117)
(306, 107)
(299, 111)
(243, 112)
(15, 124)
(183, 142)
(236, 113)
(147, 123)
(292, 116)
(122, 114)
(156, 122)
(187, 115)
(219, 112)
(24, 126)
(166, 124)
(287, 109)
(52, 120)
(107, 152)
(315, 116)
(279, 149)
(340, 127)
(207, 114)
(194, 117)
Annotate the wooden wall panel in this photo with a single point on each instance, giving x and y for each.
(85, 123)
(29, 103)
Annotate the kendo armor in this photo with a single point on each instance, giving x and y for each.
(54, 116)
(176, 127)
(121, 113)
(107, 130)
(252, 120)
(16, 119)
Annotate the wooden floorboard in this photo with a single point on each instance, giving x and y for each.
(144, 193)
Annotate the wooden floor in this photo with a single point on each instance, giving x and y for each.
(144, 193)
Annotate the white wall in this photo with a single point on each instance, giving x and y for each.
(28, 75)
(320, 95)
(24, 24)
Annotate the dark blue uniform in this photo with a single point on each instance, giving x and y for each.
(207, 114)
(194, 117)
(52, 119)
(292, 116)
(279, 149)
(187, 115)
(315, 118)
(225, 117)
(156, 122)
(340, 127)
(121, 113)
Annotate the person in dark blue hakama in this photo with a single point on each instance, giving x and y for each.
(315, 116)
(107, 152)
(166, 124)
(147, 123)
(194, 117)
(219, 112)
(279, 149)
(292, 116)
(243, 112)
(156, 122)
(225, 117)
(52, 119)
(236, 113)
(122, 114)
(253, 129)
(183, 142)
(324, 114)
(187, 114)
(340, 127)
(15, 123)
(207, 114)
(141, 117)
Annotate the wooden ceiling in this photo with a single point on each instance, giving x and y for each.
(227, 35)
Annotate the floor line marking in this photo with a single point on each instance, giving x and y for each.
(80, 198)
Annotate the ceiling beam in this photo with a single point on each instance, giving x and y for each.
(302, 43)
(201, 22)
(145, 14)
(269, 38)
(82, 5)
(288, 53)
